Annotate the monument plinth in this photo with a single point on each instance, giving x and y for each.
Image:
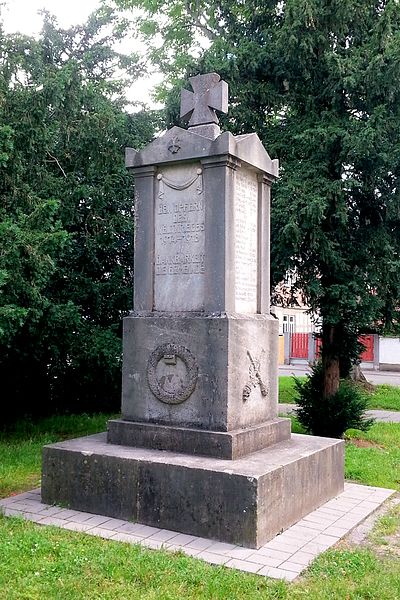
(200, 354)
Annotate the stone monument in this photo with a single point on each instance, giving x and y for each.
(200, 447)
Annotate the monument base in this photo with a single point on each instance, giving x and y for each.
(245, 501)
(218, 444)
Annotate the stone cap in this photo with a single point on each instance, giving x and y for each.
(179, 144)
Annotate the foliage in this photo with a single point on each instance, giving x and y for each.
(66, 215)
(330, 416)
(172, 32)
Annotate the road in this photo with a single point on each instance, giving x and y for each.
(375, 377)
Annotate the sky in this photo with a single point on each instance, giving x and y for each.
(22, 16)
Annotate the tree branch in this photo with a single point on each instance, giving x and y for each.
(54, 159)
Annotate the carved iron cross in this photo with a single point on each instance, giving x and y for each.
(209, 94)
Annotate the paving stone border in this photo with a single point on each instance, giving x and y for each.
(386, 416)
(284, 557)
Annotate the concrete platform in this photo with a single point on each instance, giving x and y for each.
(242, 502)
(284, 557)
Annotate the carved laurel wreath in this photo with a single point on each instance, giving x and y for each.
(181, 393)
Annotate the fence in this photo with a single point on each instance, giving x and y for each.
(299, 345)
(304, 347)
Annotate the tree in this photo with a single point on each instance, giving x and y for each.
(66, 207)
(318, 80)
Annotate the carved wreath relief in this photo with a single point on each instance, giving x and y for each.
(174, 146)
(254, 378)
(172, 373)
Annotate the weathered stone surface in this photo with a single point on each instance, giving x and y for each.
(192, 146)
(209, 94)
(245, 502)
(218, 444)
(233, 359)
(246, 219)
(179, 270)
(202, 238)
(82, 478)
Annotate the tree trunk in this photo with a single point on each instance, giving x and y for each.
(330, 362)
(358, 377)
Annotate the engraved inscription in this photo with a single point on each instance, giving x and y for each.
(179, 263)
(246, 202)
(179, 239)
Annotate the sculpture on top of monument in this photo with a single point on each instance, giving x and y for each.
(209, 95)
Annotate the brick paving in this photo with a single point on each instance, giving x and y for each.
(284, 557)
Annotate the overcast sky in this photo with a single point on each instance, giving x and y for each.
(22, 15)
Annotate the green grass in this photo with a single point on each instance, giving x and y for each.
(372, 457)
(343, 574)
(45, 562)
(379, 463)
(385, 397)
(287, 392)
(387, 526)
(21, 447)
(49, 563)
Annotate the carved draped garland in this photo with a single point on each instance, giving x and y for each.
(164, 181)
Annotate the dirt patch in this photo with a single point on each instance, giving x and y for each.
(365, 444)
(382, 544)
(391, 546)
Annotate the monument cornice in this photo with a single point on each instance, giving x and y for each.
(223, 160)
(181, 145)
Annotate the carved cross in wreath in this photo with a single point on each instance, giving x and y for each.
(209, 94)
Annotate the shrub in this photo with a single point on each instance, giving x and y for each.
(330, 417)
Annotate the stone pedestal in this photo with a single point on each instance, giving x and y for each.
(245, 501)
(210, 372)
(200, 447)
(176, 396)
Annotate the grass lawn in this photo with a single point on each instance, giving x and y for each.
(21, 447)
(45, 562)
(385, 397)
(374, 458)
(287, 391)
